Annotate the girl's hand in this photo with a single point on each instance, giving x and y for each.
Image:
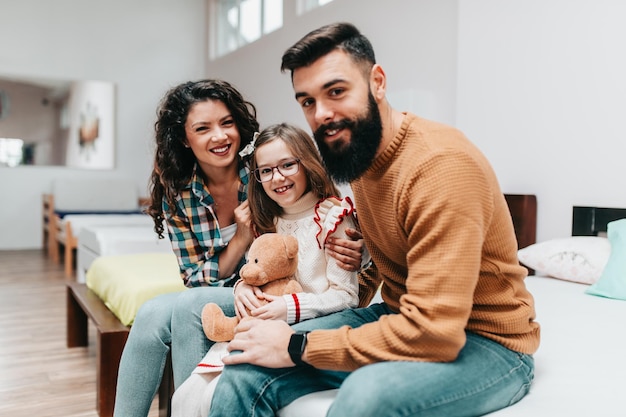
(348, 253)
(275, 309)
(247, 298)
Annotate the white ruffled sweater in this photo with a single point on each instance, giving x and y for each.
(327, 287)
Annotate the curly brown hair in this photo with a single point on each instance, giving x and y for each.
(173, 162)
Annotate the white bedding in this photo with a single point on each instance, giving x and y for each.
(580, 367)
(78, 221)
(95, 241)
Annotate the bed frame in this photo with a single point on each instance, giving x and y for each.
(593, 221)
(58, 234)
(523, 208)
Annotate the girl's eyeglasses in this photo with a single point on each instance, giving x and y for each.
(285, 168)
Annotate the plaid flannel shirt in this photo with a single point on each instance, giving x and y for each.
(195, 232)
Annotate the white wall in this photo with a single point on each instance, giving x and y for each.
(144, 46)
(415, 42)
(542, 91)
(538, 85)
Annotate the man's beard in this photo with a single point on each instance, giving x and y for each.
(347, 163)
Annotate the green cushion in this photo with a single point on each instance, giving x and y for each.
(612, 282)
(125, 282)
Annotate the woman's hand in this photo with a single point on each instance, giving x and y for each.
(247, 298)
(229, 258)
(275, 309)
(348, 253)
(243, 218)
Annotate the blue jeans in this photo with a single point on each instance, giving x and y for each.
(166, 321)
(485, 377)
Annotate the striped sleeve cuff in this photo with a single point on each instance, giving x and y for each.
(293, 308)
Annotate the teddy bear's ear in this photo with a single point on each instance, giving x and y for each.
(291, 246)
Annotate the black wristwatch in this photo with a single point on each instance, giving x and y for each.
(297, 343)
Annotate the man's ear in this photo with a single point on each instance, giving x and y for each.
(378, 82)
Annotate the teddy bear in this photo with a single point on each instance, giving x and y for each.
(271, 266)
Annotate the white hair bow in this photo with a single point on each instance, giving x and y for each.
(249, 149)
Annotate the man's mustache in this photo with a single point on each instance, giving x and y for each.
(320, 132)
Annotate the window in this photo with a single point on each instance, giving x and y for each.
(239, 22)
(307, 5)
(11, 152)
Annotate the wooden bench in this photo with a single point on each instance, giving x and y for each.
(84, 305)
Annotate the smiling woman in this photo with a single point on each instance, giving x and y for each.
(57, 122)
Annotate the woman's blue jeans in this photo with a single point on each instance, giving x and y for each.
(169, 321)
(485, 377)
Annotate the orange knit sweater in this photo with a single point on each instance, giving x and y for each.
(442, 243)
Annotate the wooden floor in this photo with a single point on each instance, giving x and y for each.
(39, 375)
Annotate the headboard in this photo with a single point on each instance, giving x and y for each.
(593, 221)
(523, 208)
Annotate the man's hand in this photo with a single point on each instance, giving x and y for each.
(261, 342)
(348, 253)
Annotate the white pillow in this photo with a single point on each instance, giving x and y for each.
(578, 258)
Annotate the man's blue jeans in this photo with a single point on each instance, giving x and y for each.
(164, 322)
(485, 377)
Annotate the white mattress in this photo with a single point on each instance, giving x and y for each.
(95, 241)
(79, 221)
(580, 367)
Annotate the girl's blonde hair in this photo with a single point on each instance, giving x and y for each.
(263, 209)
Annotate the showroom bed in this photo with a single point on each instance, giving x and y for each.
(580, 367)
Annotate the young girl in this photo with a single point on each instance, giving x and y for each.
(292, 194)
(199, 190)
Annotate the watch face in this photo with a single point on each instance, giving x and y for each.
(297, 344)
